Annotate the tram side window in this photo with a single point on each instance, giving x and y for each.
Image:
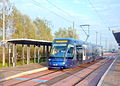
(70, 53)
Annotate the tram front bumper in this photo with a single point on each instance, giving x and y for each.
(57, 65)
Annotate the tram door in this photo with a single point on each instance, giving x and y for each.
(79, 50)
(84, 52)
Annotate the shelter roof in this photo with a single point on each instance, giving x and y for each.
(29, 42)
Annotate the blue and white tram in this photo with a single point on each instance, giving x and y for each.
(69, 52)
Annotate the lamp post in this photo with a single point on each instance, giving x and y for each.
(3, 26)
(100, 38)
(96, 37)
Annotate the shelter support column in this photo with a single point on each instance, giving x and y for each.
(44, 50)
(34, 54)
(28, 54)
(9, 56)
(3, 56)
(23, 54)
(50, 48)
(14, 55)
(39, 54)
(47, 52)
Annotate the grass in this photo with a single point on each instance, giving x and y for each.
(2, 66)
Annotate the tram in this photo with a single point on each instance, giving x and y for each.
(69, 52)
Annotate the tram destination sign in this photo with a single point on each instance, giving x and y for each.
(61, 41)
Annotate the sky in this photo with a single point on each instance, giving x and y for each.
(99, 14)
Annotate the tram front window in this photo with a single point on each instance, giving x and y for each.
(58, 50)
(70, 53)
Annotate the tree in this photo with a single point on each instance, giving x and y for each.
(23, 25)
(43, 30)
(66, 33)
(0, 26)
(19, 25)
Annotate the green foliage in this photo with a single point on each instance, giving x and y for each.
(2, 66)
(43, 31)
(1, 26)
(23, 25)
(1, 37)
(66, 33)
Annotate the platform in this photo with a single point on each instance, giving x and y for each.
(112, 75)
(11, 71)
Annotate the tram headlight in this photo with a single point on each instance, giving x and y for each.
(55, 64)
(49, 59)
(63, 62)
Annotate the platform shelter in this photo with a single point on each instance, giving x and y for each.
(37, 45)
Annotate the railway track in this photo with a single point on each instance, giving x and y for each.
(75, 78)
(53, 77)
(83, 78)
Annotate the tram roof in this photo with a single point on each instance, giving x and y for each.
(78, 41)
(29, 42)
